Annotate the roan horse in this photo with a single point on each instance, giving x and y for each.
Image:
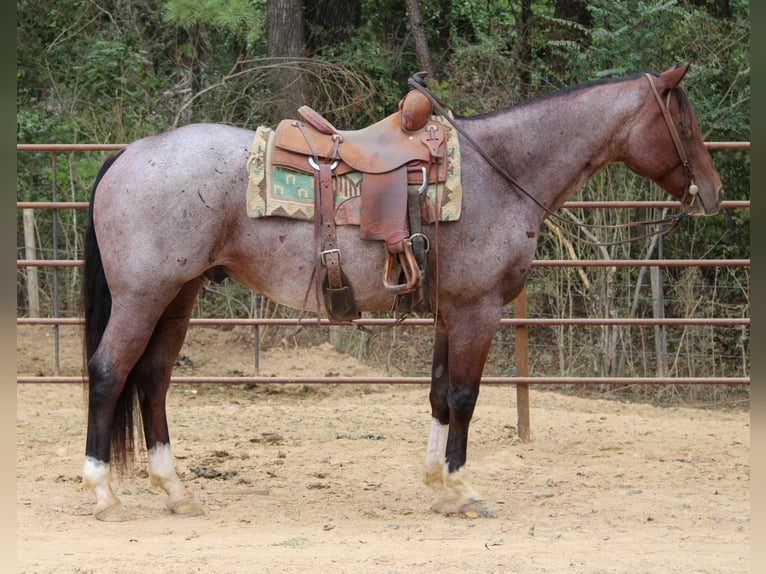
(168, 213)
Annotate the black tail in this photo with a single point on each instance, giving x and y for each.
(96, 298)
(96, 308)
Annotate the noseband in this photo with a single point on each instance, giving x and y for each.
(690, 188)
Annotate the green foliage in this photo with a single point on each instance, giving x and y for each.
(480, 77)
(240, 18)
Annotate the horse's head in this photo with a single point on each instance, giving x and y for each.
(666, 145)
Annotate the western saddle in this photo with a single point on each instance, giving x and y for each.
(398, 158)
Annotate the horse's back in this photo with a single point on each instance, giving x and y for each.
(186, 158)
(189, 150)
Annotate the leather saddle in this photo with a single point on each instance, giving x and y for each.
(397, 157)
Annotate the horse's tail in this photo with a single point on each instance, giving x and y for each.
(96, 297)
(96, 308)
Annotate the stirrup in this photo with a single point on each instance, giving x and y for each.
(409, 265)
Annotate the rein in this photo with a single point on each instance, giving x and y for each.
(671, 222)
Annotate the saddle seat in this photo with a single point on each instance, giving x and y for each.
(379, 148)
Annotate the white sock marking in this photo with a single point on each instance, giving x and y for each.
(435, 453)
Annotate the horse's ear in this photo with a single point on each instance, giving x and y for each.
(671, 77)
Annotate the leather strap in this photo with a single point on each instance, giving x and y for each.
(680, 149)
(669, 121)
(330, 254)
(419, 249)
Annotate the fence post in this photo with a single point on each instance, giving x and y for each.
(255, 307)
(30, 249)
(658, 307)
(522, 366)
(55, 214)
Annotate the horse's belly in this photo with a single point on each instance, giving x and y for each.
(280, 262)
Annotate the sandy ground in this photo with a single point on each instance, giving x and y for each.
(328, 478)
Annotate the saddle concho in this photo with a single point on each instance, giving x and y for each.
(386, 178)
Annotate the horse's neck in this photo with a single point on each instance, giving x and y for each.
(552, 145)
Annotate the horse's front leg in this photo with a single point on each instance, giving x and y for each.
(437, 438)
(460, 352)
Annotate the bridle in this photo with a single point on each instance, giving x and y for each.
(690, 188)
(667, 224)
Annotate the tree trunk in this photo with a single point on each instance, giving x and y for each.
(330, 22)
(574, 10)
(285, 28)
(419, 33)
(525, 47)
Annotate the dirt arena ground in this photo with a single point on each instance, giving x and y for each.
(328, 478)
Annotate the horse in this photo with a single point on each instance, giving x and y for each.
(167, 214)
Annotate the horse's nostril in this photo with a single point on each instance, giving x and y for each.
(721, 195)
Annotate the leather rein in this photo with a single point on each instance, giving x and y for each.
(670, 223)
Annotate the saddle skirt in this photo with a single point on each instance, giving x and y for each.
(281, 181)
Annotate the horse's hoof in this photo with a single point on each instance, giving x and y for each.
(446, 505)
(115, 513)
(186, 507)
(476, 509)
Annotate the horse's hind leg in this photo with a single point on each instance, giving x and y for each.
(152, 378)
(110, 403)
(118, 370)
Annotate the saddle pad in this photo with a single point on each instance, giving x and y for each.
(282, 192)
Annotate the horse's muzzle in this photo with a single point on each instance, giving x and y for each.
(700, 206)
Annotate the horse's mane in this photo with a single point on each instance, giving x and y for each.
(684, 106)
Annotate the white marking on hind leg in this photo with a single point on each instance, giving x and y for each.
(95, 476)
(162, 473)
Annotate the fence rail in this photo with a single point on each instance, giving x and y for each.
(240, 380)
(520, 322)
(417, 322)
(537, 263)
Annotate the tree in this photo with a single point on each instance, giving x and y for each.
(286, 45)
(330, 22)
(525, 24)
(419, 33)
